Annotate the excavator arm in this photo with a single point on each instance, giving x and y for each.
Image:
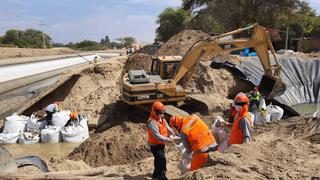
(271, 83)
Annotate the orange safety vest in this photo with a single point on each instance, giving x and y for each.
(162, 129)
(236, 136)
(197, 132)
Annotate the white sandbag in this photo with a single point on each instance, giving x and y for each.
(258, 118)
(84, 124)
(222, 139)
(262, 103)
(51, 134)
(15, 124)
(276, 112)
(35, 125)
(60, 118)
(317, 114)
(9, 138)
(185, 163)
(28, 138)
(77, 133)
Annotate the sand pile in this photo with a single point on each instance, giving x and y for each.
(150, 49)
(138, 61)
(126, 143)
(29, 52)
(95, 90)
(276, 151)
(180, 43)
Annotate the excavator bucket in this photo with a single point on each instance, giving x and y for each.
(271, 86)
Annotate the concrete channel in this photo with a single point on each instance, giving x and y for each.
(25, 77)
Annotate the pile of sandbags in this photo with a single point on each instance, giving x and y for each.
(271, 112)
(14, 125)
(29, 130)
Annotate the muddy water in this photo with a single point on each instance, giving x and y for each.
(306, 108)
(43, 150)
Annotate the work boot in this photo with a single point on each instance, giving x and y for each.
(162, 176)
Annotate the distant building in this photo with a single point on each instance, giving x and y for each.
(306, 45)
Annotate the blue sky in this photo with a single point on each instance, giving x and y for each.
(76, 20)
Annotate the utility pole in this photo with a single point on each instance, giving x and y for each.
(17, 32)
(287, 36)
(43, 39)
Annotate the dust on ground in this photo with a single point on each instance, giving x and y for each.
(6, 52)
(276, 151)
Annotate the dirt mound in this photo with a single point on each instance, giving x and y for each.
(274, 152)
(121, 144)
(64, 164)
(91, 91)
(150, 49)
(180, 43)
(138, 61)
(278, 150)
(29, 52)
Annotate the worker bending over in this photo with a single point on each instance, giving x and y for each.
(158, 135)
(240, 132)
(74, 119)
(50, 110)
(196, 137)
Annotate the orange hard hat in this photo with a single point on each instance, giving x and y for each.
(158, 107)
(241, 99)
(176, 122)
(73, 115)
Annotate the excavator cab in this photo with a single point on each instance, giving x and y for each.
(165, 66)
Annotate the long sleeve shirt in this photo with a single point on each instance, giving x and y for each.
(152, 125)
(244, 125)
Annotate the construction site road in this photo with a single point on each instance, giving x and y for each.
(22, 73)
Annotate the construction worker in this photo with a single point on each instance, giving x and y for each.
(240, 132)
(196, 137)
(158, 135)
(254, 97)
(50, 109)
(74, 119)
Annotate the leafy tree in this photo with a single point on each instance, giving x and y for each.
(106, 42)
(172, 21)
(30, 38)
(238, 13)
(126, 41)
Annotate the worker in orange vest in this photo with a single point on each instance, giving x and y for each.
(240, 132)
(196, 137)
(158, 135)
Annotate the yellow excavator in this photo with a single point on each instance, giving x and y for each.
(169, 75)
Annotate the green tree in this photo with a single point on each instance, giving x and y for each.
(126, 41)
(29, 38)
(233, 14)
(106, 42)
(172, 21)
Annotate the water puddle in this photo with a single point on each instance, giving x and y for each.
(306, 108)
(43, 150)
